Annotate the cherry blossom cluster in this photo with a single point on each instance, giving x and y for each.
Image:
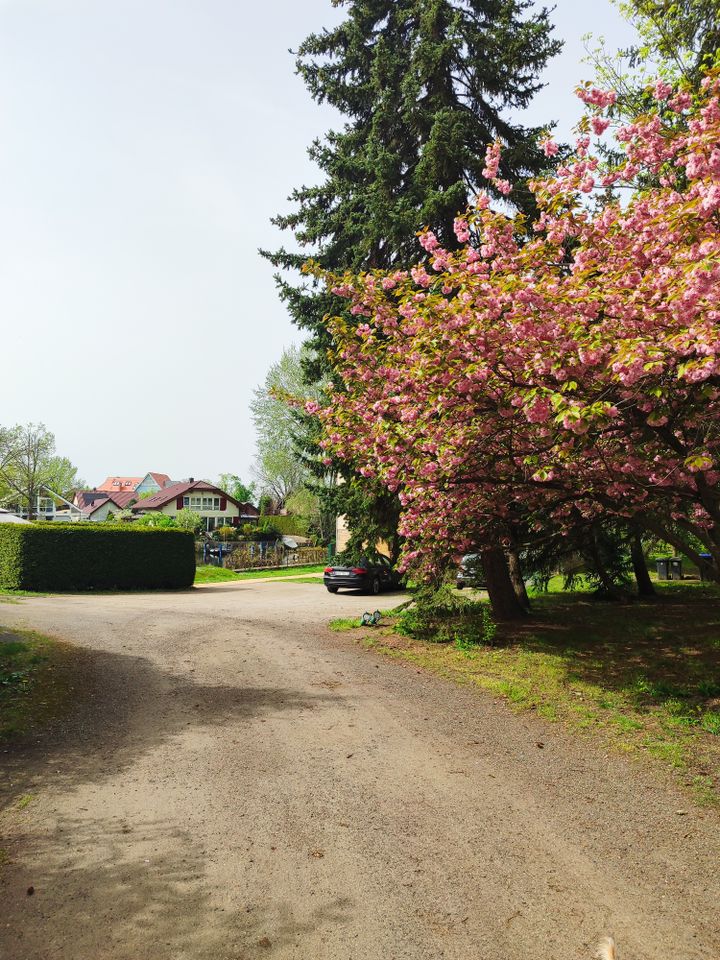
(575, 373)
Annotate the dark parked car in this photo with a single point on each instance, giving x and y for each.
(369, 575)
(470, 572)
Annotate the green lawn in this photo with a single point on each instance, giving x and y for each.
(643, 676)
(209, 574)
(12, 596)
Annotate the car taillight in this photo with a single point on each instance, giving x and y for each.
(359, 570)
(328, 570)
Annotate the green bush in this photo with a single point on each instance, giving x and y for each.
(226, 533)
(439, 615)
(287, 526)
(265, 529)
(86, 556)
(189, 520)
(153, 518)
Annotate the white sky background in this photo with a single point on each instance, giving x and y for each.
(144, 146)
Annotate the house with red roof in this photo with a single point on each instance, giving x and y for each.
(106, 505)
(119, 484)
(216, 507)
(117, 493)
(153, 483)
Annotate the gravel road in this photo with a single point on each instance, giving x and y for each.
(238, 782)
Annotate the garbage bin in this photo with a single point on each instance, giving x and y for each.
(676, 568)
(708, 557)
(663, 568)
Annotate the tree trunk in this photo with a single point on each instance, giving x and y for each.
(608, 584)
(503, 598)
(644, 583)
(516, 576)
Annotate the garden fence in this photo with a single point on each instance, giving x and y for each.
(258, 555)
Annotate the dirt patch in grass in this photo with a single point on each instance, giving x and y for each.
(643, 676)
(38, 683)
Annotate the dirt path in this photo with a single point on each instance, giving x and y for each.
(240, 783)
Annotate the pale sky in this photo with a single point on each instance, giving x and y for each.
(144, 145)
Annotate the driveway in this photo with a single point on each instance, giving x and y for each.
(238, 782)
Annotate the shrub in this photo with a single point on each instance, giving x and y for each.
(268, 528)
(289, 526)
(154, 518)
(439, 615)
(265, 529)
(189, 520)
(226, 533)
(85, 556)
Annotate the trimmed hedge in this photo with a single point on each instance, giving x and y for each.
(286, 525)
(86, 556)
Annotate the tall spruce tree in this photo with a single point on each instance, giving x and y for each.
(425, 86)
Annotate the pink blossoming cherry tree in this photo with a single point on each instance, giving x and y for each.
(570, 369)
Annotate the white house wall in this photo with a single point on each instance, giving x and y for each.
(102, 512)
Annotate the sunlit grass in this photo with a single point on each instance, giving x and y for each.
(644, 676)
(210, 574)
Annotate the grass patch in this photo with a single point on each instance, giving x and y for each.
(210, 574)
(642, 676)
(36, 682)
(12, 596)
(341, 624)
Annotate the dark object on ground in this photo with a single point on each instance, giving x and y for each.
(669, 568)
(370, 575)
(371, 619)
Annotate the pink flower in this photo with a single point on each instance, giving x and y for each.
(462, 229)
(662, 90)
(492, 161)
(549, 147)
(599, 125)
(596, 97)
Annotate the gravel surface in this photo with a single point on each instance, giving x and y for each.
(238, 782)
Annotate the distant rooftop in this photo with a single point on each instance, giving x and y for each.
(120, 484)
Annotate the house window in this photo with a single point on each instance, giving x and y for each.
(186, 502)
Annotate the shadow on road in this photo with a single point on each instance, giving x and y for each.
(113, 890)
(118, 707)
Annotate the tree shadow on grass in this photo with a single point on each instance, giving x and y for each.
(649, 650)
